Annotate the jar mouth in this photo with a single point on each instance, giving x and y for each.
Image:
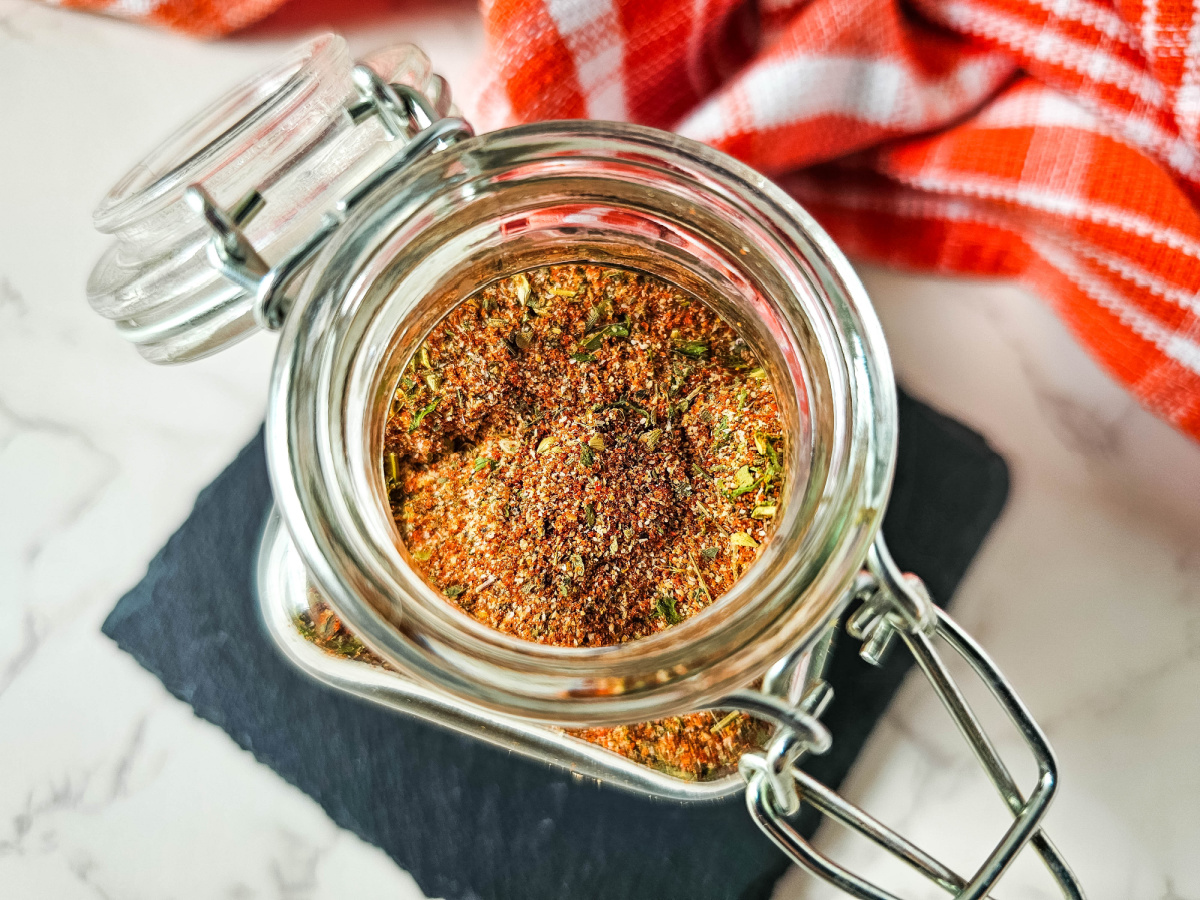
(611, 194)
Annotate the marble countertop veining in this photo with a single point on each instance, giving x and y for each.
(1087, 593)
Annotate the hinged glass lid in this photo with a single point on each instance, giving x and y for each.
(260, 167)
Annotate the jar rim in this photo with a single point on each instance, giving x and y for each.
(343, 569)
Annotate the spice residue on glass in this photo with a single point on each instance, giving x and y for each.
(582, 456)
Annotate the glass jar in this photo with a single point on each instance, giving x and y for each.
(348, 208)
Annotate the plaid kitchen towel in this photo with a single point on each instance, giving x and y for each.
(1051, 141)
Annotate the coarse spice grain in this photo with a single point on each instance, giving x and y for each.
(582, 456)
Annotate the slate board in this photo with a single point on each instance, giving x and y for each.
(468, 820)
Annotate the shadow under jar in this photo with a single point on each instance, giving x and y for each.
(347, 207)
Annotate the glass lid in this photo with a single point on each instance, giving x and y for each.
(274, 154)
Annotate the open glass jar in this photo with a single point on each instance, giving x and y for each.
(347, 208)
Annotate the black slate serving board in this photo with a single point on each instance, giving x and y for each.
(468, 820)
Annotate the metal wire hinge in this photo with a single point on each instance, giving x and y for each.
(404, 113)
(891, 604)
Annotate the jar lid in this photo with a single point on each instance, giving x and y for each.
(260, 167)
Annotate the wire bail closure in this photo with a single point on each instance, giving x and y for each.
(794, 693)
(893, 604)
(405, 114)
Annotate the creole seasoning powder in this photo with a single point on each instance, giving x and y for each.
(583, 456)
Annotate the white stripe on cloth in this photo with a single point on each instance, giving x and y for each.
(592, 33)
(1147, 281)
(488, 107)
(1046, 107)
(1038, 197)
(1173, 345)
(925, 206)
(1037, 106)
(1149, 27)
(879, 91)
(1134, 130)
(1103, 19)
(1187, 101)
(1050, 47)
(132, 9)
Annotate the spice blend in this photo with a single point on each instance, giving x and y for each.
(583, 456)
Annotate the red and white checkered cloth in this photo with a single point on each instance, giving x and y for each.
(1052, 141)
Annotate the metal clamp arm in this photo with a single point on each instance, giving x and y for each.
(405, 114)
(894, 603)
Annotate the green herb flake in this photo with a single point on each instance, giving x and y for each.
(651, 438)
(454, 591)
(644, 413)
(666, 608)
(593, 341)
(586, 456)
(423, 555)
(724, 723)
(692, 349)
(416, 422)
(745, 481)
(709, 553)
(520, 283)
(589, 514)
(618, 330)
(767, 445)
(582, 357)
(741, 539)
(687, 401)
(763, 512)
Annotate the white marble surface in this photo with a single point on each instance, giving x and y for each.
(1087, 594)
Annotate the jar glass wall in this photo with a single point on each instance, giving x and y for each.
(610, 194)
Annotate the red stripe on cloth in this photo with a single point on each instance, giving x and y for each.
(675, 52)
(532, 62)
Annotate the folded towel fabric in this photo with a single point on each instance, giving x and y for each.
(1052, 141)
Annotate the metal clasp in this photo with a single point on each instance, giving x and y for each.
(404, 112)
(893, 603)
